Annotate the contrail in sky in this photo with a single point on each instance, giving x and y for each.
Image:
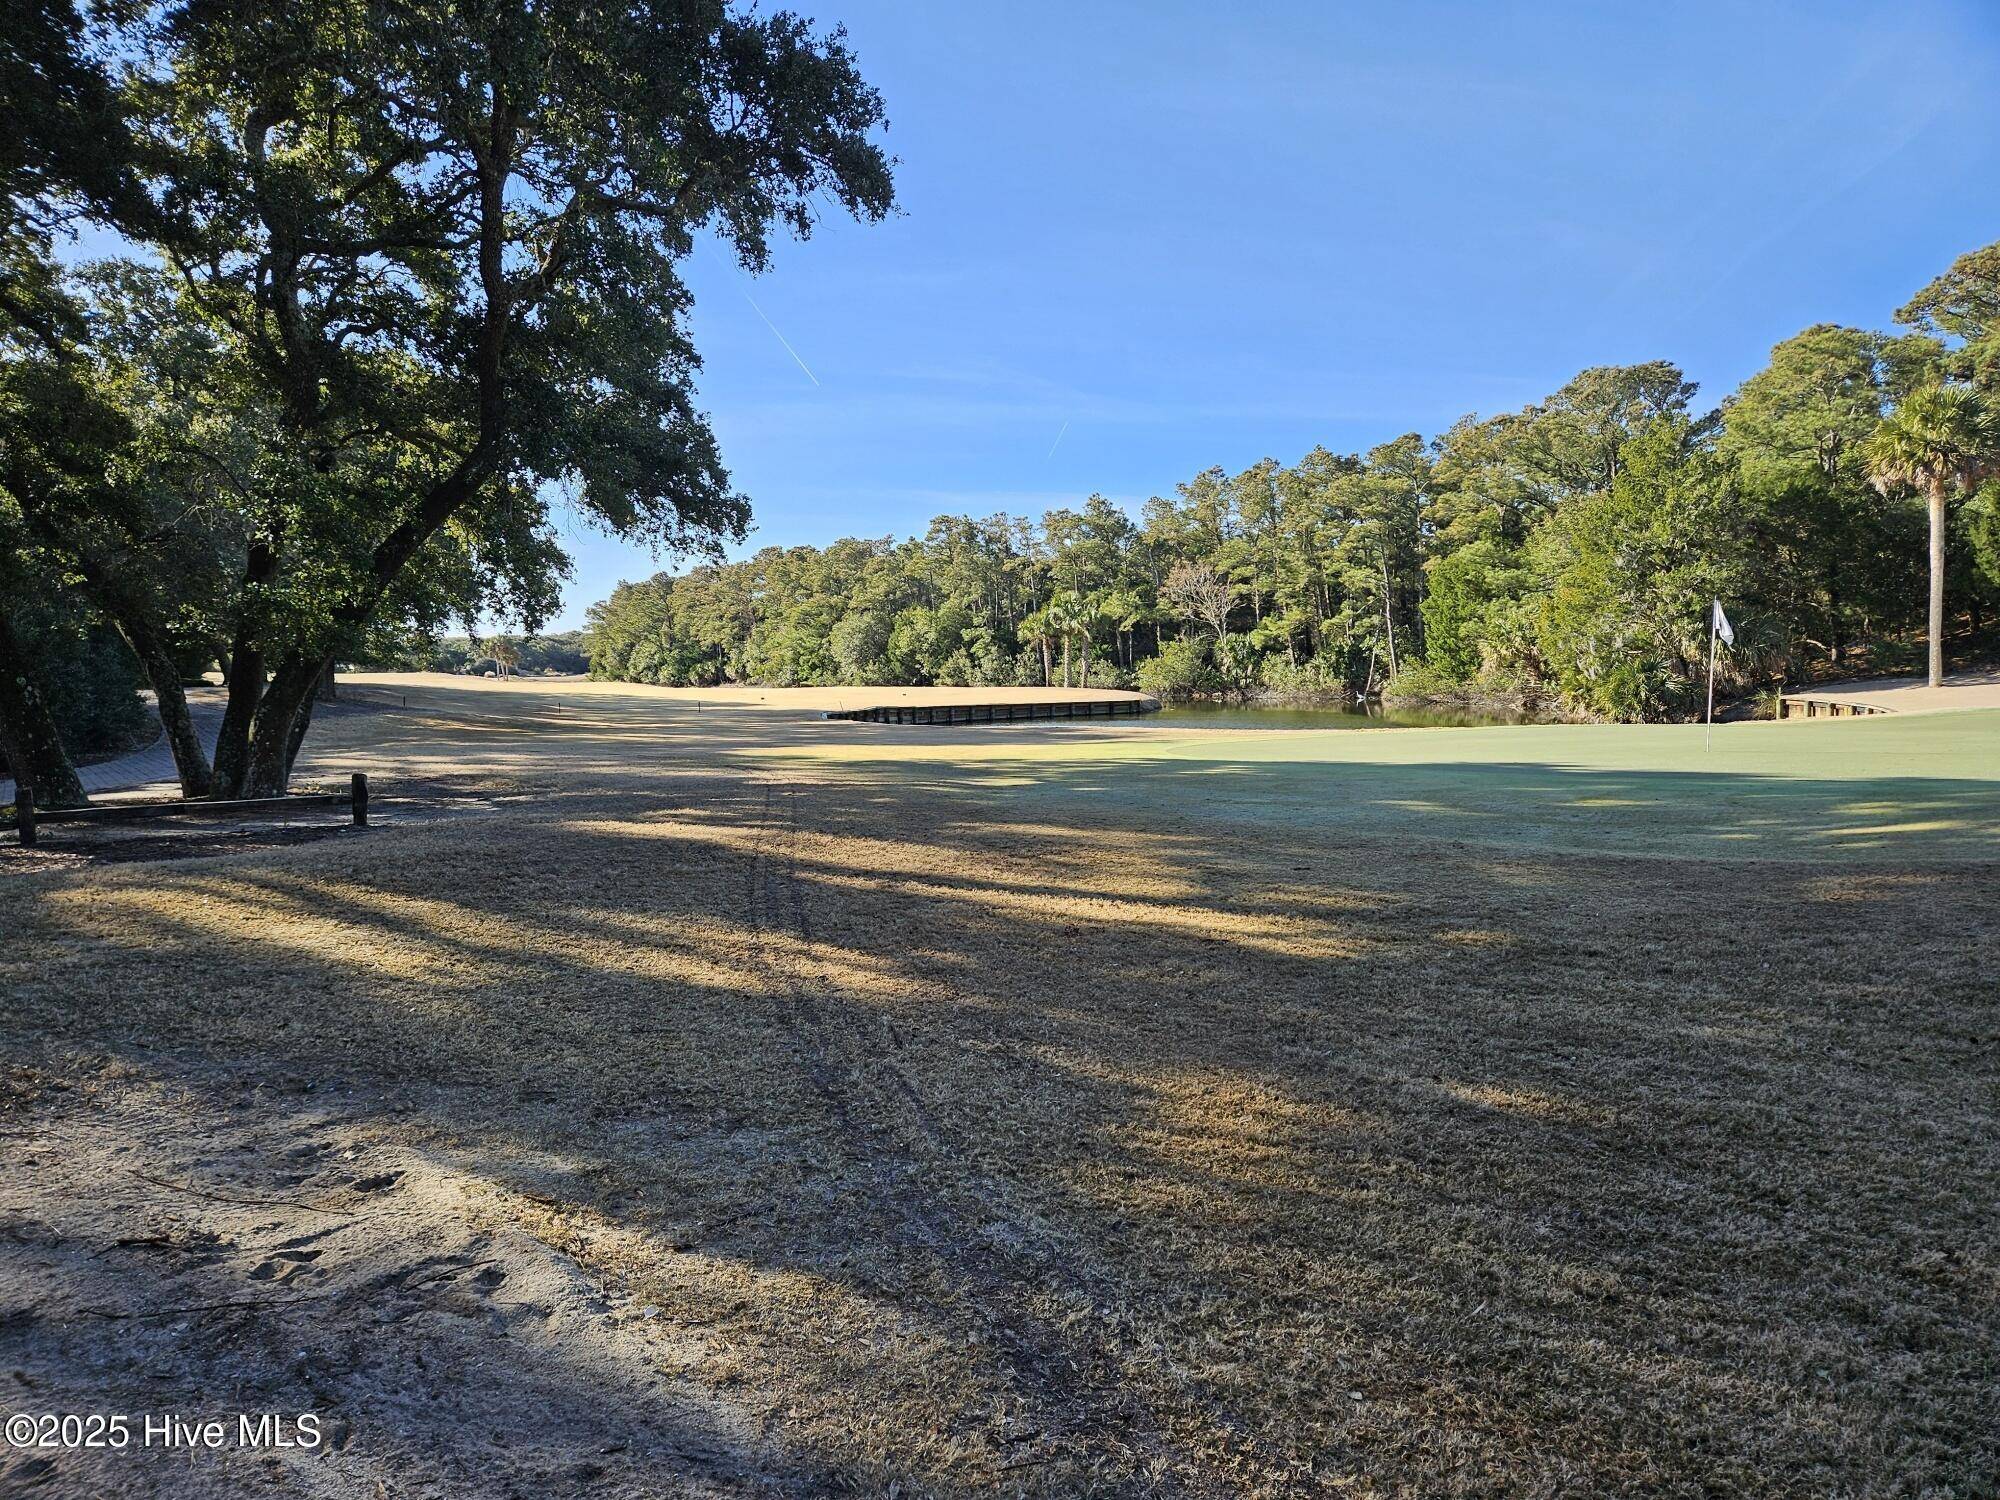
(780, 337)
(1052, 446)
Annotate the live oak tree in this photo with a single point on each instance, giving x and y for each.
(442, 241)
(127, 468)
(65, 153)
(50, 433)
(128, 486)
(417, 270)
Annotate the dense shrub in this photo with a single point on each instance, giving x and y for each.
(1310, 678)
(1488, 693)
(1181, 671)
(1421, 683)
(90, 678)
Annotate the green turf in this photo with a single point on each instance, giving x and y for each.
(1915, 787)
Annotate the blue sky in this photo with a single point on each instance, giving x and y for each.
(1137, 240)
(1140, 239)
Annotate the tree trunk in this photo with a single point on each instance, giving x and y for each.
(277, 729)
(327, 692)
(301, 722)
(190, 761)
(137, 626)
(1389, 619)
(28, 737)
(1937, 585)
(245, 683)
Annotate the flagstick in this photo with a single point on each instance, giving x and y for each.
(1708, 731)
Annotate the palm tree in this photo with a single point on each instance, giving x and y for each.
(1090, 614)
(1070, 615)
(1037, 630)
(1938, 439)
(1126, 611)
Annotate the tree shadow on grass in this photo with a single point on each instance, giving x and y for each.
(1038, 1127)
(1525, 805)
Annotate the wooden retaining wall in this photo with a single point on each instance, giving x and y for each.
(997, 713)
(1805, 706)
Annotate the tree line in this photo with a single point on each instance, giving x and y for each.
(392, 274)
(1569, 548)
(504, 654)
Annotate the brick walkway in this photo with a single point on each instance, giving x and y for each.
(144, 767)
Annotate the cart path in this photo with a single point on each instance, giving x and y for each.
(1910, 695)
(155, 763)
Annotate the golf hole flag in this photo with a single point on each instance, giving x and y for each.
(1718, 628)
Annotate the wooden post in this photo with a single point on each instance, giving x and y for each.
(24, 813)
(360, 785)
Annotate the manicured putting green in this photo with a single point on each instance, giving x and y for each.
(1920, 786)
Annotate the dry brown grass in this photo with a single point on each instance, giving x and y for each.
(761, 1125)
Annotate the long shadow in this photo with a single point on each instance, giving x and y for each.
(1521, 805)
(1367, 1152)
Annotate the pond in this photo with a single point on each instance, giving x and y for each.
(1322, 716)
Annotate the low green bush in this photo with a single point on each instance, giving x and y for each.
(1314, 678)
(1181, 671)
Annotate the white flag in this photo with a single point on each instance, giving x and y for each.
(1722, 626)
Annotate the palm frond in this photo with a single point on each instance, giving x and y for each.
(1939, 435)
